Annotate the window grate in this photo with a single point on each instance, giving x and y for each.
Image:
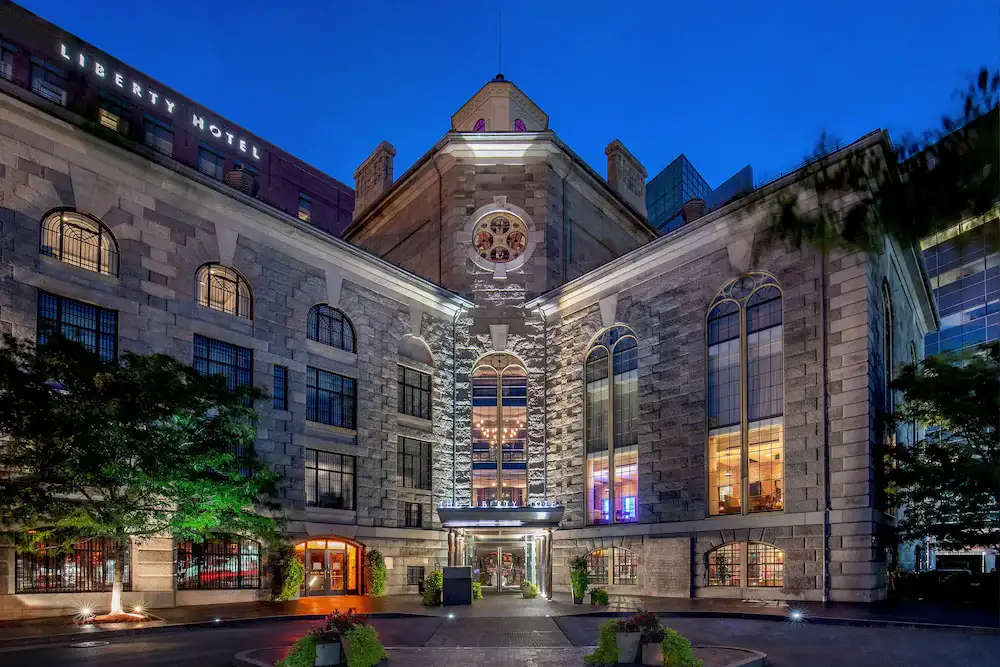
(94, 328)
(218, 563)
(89, 567)
(330, 398)
(414, 463)
(414, 393)
(330, 480)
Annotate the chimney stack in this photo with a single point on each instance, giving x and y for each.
(373, 177)
(693, 209)
(626, 175)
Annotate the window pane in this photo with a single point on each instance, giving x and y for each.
(724, 471)
(330, 398)
(597, 566)
(597, 401)
(766, 466)
(626, 378)
(88, 567)
(515, 414)
(414, 393)
(724, 566)
(484, 415)
(765, 565)
(515, 483)
(96, 329)
(626, 484)
(598, 489)
(330, 479)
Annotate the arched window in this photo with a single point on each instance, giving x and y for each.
(499, 430)
(613, 566)
(746, 565)
(221, 288)
(330, 326)
(480, 125)
(745, 397)
(611, 373)
(222, 561)
(81, 241)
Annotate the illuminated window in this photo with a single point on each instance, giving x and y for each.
(81, 241)
(499, 430)
(305, 207)
(745, 401)
(500, 237)
(110, 116)
(613, 567)
(612, 407)
(762, 565)
(221, 288)
(87, 567)
(724, 565)
(330, 326)
(218, 563)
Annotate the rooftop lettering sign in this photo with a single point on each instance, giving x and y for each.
(135, 89)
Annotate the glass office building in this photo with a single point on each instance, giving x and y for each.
(680, 182)
(963, 264)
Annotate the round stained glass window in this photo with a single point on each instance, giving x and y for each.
(500, 237)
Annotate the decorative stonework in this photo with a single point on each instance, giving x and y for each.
(501, 237)
(626, 175)
(373, 177)
(500, 104)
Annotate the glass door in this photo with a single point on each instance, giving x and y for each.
(512, 567)
(486, 571)
(337, 578)
(316, 572)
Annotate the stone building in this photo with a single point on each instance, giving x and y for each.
(500, 364)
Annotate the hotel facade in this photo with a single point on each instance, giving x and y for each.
(497, 363)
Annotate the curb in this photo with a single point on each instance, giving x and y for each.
(808, 620)
(100, 634)
(755, 659)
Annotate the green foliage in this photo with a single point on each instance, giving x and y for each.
(598, 597)
(337, 624)
(136, 447)
(677, 650)
(607, 645)
(477, 590)
(529, 590)
(365, 650)
(579, 576)
(432, 589)
(376, 572)
(303, 654)
(948, 482)
(911, 189)
(290, 574)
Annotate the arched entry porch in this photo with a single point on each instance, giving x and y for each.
(334, 566)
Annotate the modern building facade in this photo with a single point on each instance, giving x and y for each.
(679, 182)
(133, 110)
(501, 363)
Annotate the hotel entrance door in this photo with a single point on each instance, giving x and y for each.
(501, 568)
(331, 567)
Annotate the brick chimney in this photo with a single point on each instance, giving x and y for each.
(693, 209)
(626, 175)
(373, 177)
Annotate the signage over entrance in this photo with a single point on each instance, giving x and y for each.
(138, 90)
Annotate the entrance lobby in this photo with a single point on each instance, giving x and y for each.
(502, 567)
(332, 567)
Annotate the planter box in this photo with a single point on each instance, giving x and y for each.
(329, 653)
(652, 654)
(628, 646)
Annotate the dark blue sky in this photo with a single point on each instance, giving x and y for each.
(727, 83)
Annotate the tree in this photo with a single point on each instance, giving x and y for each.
(921, 185)
(948, 482)
(137, 447)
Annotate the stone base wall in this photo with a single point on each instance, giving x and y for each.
(429, 554)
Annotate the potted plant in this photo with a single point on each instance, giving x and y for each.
(579, 577)
(598, 597)
(528, 590)
(627, 639)
(332, 644)
(652, 636)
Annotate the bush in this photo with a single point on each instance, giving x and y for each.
(529, 590)
(607, 645)
(365, 648)
(289, 575)
(598, 597)
(579, 576)
(337, 624)
(477, 590)
(303, 654)
(432, 590)
(677, 650)
(376, 573)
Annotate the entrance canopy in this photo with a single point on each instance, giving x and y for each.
(501, 516)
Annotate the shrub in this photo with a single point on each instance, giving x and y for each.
(365, 648)
(432, 590)
(337, 624)
(579, 576)
(477, 590)
(677, 650)
(376, 573)
(598, 597)
(607, 645)
(303, 653)
(289, 575)
(529, 590)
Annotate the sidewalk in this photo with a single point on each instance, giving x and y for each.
(501, 606)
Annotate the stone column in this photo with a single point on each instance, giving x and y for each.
(451, 548)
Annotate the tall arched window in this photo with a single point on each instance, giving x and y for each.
(330, 326)
(81, 241)
(499, 430)
(745, 398)
(611, 374)
(222, 288)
